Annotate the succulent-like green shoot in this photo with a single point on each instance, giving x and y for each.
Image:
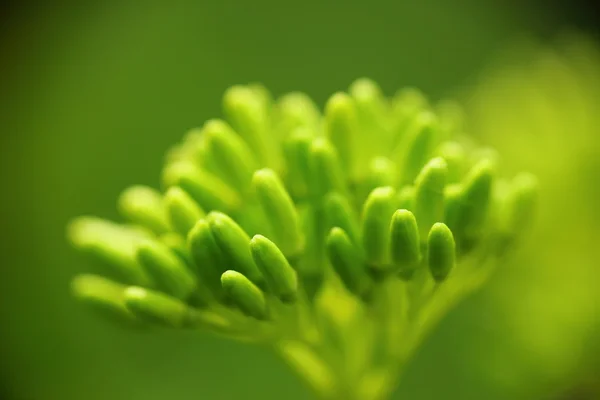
(296, 110)
(346, 260)
(114, 246)
(456, 159)
(206, 256)
(280, 211)
(377, 212)
(404, 243)
(182, 211)
(474, 202)
(340, 125)
(429, 194)
(441, 251)
(234, 245)
(417, 145)
(297, 153)
(229, 154)
(210, 192)
(406, 198)
(368, 221)
(281, 278)
(144, 206)
(103, 296)
(244, 294)
(166, 269)
(339, 213)
(157, 308)
(326, 171)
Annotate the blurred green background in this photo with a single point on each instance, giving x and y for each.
(93, 94)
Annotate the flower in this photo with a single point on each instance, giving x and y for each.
(338, 240)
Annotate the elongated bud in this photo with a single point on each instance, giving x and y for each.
(244, 294)
(377, 213)
(441, 252)
(417, 147)
(167, 270)
(103, 296)
(112, 244)
(182, 210)
(382, 172)
(345, 259)
(177, 245)
(406, 198)
(404, 243)
(339, 213)
(280, 212)
(295, 110)
(231, 156)
(248, 115)
(144, 206)
(207, 190)
(455, 156)
(475, 199)
(206, 257)
(297, 154)
(326, 171)
(157, 308)
(234, 244)
(280, 276)
(407, 103)
(429, 195)
(340, 125)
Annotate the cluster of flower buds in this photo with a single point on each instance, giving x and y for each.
(336, 238)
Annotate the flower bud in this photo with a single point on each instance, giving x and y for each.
(280, 276)
(244, 294)
(441, 253)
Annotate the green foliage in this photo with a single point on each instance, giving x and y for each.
(359, 241)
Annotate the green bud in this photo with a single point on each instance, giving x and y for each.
(168, 271)
(244, 294)
(206, 257)
(247, 113)
(429, 194)
(295, 110)
(345, 259)
(103, 296)
(407, 103)
(235, 246)
(297, 154)
(206, 189)
(455, 156)
(280, 276)
(280, 212)
(339, 213)
(380, 172)
(476, 199)
(341, 125)
(144, 206)
(112, 244)
(157, 308)
(406, 198)
(182, 210)
(326, 171)
(232, 158)
(177, 244)
(377, 213)
(404, 243)
(417, 147)
(441, 253)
